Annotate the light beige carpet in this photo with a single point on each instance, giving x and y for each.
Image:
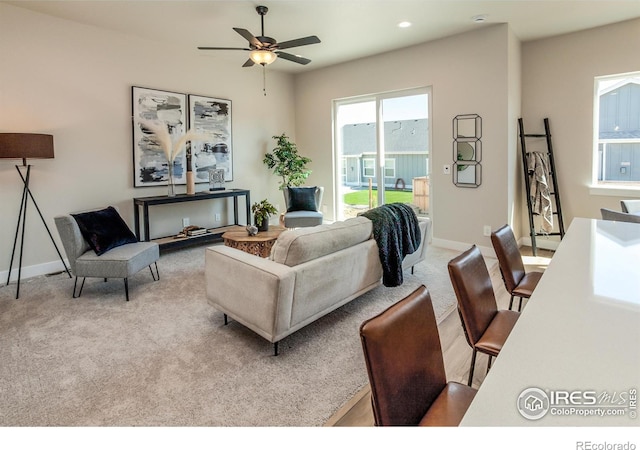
(166, 359)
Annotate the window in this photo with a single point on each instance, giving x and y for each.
(617, 131)
(380, 140)
(390, 168)
(369, 167)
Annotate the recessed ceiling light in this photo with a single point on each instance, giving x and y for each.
(404, 24)
(479, 18)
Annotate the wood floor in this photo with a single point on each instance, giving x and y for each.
(356, 411)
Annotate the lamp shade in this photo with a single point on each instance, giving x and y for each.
(26, 145)
(262, 57)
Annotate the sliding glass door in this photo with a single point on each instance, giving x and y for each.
(382, 151)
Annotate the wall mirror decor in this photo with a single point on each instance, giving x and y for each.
(467, 150)
(467, 126)
(467, 175)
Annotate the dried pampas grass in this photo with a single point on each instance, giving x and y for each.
(170, 146)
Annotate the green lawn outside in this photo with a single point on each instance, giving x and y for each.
(362, 197)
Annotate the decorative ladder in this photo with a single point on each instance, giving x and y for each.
(552, 174)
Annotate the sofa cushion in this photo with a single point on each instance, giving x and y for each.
(297, 246)
(299, 219)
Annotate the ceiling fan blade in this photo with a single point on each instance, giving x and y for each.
(294, 58)
(249, 37)
(224, 48)
(299, 42)
(248, 63)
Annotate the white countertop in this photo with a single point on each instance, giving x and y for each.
(578, 338)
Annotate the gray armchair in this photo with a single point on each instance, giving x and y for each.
(302, 216)
(120, 261)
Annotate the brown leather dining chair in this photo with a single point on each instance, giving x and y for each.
(485, 327)
(517, 281)
(406, 369)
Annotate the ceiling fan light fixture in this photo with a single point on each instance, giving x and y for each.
(262, 57)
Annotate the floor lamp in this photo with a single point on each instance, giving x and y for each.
(24, 146)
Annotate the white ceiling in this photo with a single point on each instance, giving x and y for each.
(348, 29)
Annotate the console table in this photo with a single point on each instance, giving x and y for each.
(173, 242)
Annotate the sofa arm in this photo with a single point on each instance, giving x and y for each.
(419, 255)
(255, 291)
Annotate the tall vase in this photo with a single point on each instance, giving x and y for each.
(171, 185)
(191, 183)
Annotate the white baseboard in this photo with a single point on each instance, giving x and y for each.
(488, 252)
(462, 247)
(545, 243)
(34, 271)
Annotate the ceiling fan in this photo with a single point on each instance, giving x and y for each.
(264, 49)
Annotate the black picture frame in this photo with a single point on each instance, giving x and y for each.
(212, 117)
(150, 165)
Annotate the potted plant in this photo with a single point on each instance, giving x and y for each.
(287, 163)
(261, 212)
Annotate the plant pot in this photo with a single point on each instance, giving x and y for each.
(264, 226)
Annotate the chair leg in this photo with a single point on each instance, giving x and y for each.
(489, 363)
(226, 319)
(473, 365)
(74, 288)
(511, 302)
(275, 349)
(126, 288)
(155, 276)
(411, 270)
(520, 305)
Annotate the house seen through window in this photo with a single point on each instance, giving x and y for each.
(617, 125)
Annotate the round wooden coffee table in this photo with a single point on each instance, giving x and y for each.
(259, 245)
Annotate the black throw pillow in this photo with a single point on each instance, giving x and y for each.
(302, 199)
(104, 229)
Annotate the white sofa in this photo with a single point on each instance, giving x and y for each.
(311, 272)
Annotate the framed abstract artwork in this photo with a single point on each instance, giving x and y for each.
(150, 165)
(211, 117)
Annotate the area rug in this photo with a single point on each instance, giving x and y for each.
(165, 357)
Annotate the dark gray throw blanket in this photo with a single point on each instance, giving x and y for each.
(397, 233)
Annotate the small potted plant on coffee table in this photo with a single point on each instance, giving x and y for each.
(261, 212)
